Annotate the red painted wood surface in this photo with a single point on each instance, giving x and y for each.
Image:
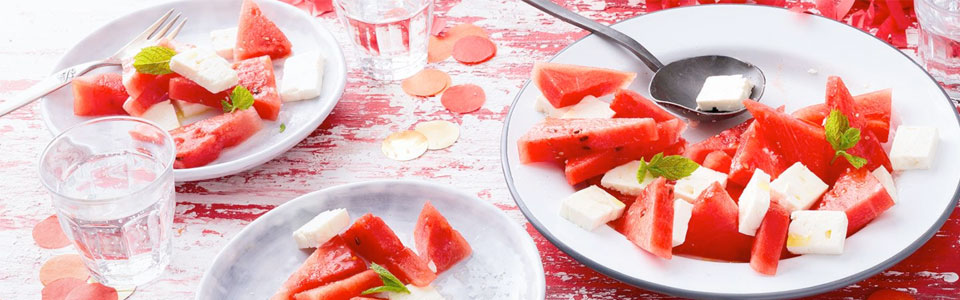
(346, 149)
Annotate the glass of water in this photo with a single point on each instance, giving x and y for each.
(938, 45)
(390, 36)
(111, 181)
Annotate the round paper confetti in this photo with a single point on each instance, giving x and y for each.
(474, 50)
(440, 48)
(122, 294)
(48, 234)
(440, 134)
(426, 83)
(63, 266)
(60, 288)
(463, 98)
(93, 291)
(404, 145)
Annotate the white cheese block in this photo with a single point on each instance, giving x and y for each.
(624, 179)
(223, 41)
(322, 228)
(682, 211)
(800, 187)
(163, 114)
(417, 293)
(206, 68)
(690, 187)
(188, 109)
(753, 203)
(589, 108)
(302, 76)
(724, 93)
(817, 232)
(543, 106)
(887, 181)
(591, 207)
(913, 147)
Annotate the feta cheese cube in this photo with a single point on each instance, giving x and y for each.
(543, 106)
(322, 228)
(624, 179)
(690, 187)
(589, 108)
(163, 114)
(913, 147)
(206, 68)
(724, 93)
(799, 186)
(817, 232)
(417, 293)
(188, 109)
(887, 181)
(682, 211)
(753, 203)
(302, 76)
(223, 41)
(591, 207)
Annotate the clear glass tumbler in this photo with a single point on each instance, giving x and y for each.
(938, 45)
(111, 181)
(390, 36)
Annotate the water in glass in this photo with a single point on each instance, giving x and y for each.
(390, 36)
(938, 45)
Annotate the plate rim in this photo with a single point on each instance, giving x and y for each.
(540, 278)
(251, 160)
(676, 291)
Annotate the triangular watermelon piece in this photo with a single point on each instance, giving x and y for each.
(753, 154)
(578, 169)
(375, 241)
(875, 107)
(555, 140)
(258, 36)
(718, 161)
(344, 289)
(565, 85)
(771, 239)
(791, 140)
(437, 241)
(332, 261)
(98, 94)
(727, 141)
(256, 74)
(860, 195)
(184, 89)
(649, 221)
(839, 98)
(153, 93)
(630, 104)
(201, 142)
(712, 232)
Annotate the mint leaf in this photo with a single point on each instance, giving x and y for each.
(154, 60)
(390, 282)
(849, 138)
(856, 161)
(642, 171)
(240, 99)
(283, 126)
(842, 137)
(227, 106)
(671, 167)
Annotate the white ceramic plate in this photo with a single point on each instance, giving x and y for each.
(301, 117)
(785, 45)
(505, 263)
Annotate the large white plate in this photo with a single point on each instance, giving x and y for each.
(301, 118)
(785, 45)
(505, 263)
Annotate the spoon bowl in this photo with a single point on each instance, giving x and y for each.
(675, 86)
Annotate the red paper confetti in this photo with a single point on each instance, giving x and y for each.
(93, 291)
(889, 295)
(426, 83)
(463, 98)
(440, 48)
(474, 50)
(63, 266)
(60, 288)
(48, 234)
(827, 8)
(314, 7)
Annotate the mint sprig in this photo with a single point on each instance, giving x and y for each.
(390, 282)
(154, 60)
(671, 167)
(240, 99)
(842, 137)
(283, 127)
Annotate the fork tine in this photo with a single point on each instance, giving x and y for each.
(163, 30)
(176, 29)
(152, 29)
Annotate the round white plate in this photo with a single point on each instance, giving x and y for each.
(301, 118)
(505, 263)
(785, 45)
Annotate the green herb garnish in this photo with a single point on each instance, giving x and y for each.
(283, 126)
(671, 167)
(154, 60)
(842, 137)
(390, 282)
(240, 99)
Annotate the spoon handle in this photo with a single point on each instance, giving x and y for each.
(599, 29)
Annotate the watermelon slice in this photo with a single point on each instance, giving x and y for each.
(788, 140)
(332, 261)
(771, 239)
(153, 93)
(565, 85)
(98, 94)
(201, 142)
(256, 74)
(718, 161)
(860, 195)
(554, 140)
(184, 89)
(649, 221)
(712, 232)
(753, 154)
(437, 241)
(669, 142)
(874, 107)
(258, 36)
(344, 289)
(839, 98)
(630, 104)
(727, 141)
(375, 241)
(195, 150)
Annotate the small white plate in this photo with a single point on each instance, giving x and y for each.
(301, 118)
(785, 45)
(505, 263)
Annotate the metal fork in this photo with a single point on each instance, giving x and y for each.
(157, 31)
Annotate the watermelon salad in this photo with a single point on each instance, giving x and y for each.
(169, 82)
(776, 186)
(338, 268)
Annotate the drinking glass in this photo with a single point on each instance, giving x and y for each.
(111, 181)
(390, 36)
(938, 45)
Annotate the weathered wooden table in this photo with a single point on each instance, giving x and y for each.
(345, 149)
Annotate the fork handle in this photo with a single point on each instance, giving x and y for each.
(48, 85)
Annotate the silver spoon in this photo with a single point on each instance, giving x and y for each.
(675, 85)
